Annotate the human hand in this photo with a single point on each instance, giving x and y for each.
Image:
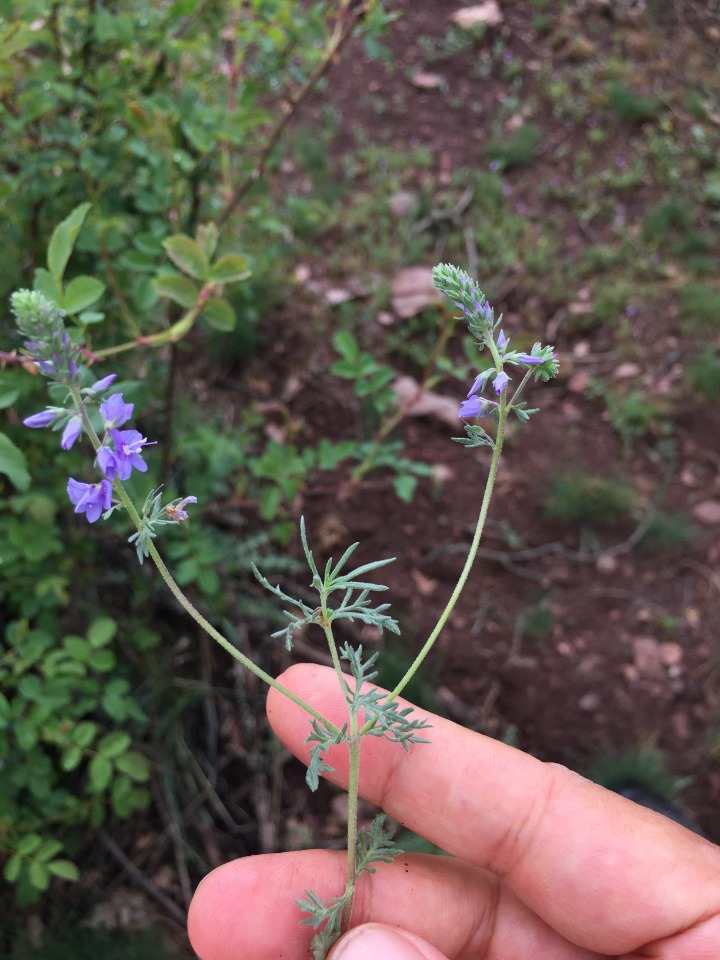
(545, 865)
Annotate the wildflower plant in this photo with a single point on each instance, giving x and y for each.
(93, 411)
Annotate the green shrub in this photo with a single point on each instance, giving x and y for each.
(667, 220)
(630, 105)
(644, 768)
(668, 530)
(580, 498)
(700, 305)
(517, 149)
(704, 374)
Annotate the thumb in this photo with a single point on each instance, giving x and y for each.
(373, 940)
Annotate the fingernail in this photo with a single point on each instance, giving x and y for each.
(373, 940)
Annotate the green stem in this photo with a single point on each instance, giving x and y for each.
(442, 620)
(332, 646)
(352, 830)
(184, 602)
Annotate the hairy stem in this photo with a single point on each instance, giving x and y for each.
(352, 830)
(173, 587)
(450, 606)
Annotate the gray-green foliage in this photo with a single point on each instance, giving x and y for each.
(371, 712)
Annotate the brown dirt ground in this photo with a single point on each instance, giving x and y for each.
(607, 677)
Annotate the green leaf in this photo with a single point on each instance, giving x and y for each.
(90, 316)
(84, 733)
(179, 289)
(29, 844)
(13, 464)
(13, 867)
(218, 314)
(346, 345)
(77, 647)
(207, 237)
(230, 269)
(39, 876)
(99, 773)
(102, 660)
(135, 765)
(5, 711)
(114, 744)
(47, 850)
(64, 869)
(101, 631)
(63, 240)
(8, 396)
(187, 255)
(71, 758)
(405, 486)
(46, 284)
(81, 293)
(711, 190)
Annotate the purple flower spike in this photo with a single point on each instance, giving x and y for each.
(38, 420)
(90, 498)
(104, 384)
(128, 444)
(115, 411)
(500, 382)
(71, 433)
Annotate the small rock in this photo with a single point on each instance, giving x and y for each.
(401, 203)
(425, 585)
(680, 725)
(626, 371)
(707, 512)
(412, 290)
(670, 653)
(417, 402)
(579, 383)
(647, 657)
(487, 13)
(590, 702)
(606, 563)
(427, 81)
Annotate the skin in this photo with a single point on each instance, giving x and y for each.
(544, 863)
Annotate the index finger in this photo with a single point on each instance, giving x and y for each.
(602, 871)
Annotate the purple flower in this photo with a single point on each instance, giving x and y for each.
(128, 444)
(480, 380)
(176, 512)
(104, 384)
(38, 420)
(531, 358)
(106, 461)
(115, 411)
(502, 340)
(473, 407)
(500, 382)
(90, 498)
(71, 433)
